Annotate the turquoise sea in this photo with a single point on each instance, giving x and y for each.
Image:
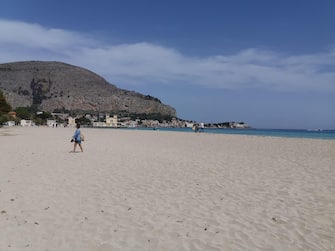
(286, 133)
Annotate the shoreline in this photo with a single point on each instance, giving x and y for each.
(281, 133)
(276, 133)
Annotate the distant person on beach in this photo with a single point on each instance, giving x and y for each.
(202, 127)
(76, 138)
(195, 127)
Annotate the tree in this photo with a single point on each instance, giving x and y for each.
(4, 106)
(23, 113)
(83, 121)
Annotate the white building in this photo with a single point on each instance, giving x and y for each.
(111, 121)
(99, 124)
(188, 124)
(10, 123)
(26, 122)
(71, 121)
(51, 123)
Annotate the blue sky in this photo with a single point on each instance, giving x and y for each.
(268, 63)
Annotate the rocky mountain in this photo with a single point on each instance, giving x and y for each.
(56, 85)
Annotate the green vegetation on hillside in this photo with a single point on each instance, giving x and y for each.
(31, 113)
(142, 116)
(5, 108)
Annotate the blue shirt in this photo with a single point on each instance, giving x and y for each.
(76, 136)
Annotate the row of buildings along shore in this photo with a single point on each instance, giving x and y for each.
(124, 122)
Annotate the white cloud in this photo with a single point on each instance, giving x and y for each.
(140, 63)
(35, 36)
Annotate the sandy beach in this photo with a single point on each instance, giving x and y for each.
(154, 190)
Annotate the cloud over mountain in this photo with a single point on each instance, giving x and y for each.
(144, 62)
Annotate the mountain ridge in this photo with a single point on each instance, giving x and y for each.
(53, 85)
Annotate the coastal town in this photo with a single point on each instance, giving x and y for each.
(105, 120)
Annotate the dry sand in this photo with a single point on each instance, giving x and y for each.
(153, 190)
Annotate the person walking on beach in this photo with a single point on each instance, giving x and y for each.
(76, 138)
(202, 127)
(195, 127)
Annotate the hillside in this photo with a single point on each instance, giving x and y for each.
(56, 85)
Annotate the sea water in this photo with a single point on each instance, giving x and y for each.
(287, 133)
